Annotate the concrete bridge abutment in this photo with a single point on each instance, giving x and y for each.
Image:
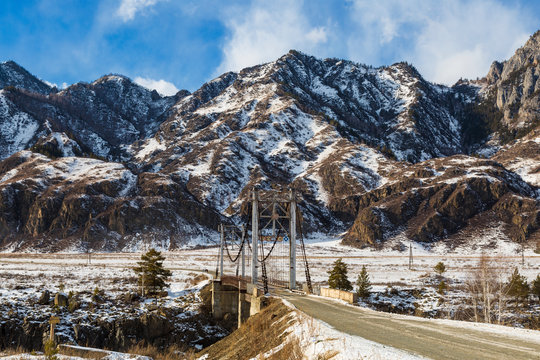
(237, 300)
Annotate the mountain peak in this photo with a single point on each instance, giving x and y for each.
(112, 77)
(12, 74)
(534, 41)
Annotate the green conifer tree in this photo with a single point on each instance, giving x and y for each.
(338, 276)
(442, 287)
(518, 286)
(152, 276)
(364, 285)
(440, 268)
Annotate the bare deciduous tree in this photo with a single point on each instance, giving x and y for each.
(488, 289)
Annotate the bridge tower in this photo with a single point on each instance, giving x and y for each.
(273, 218)
(271, 253)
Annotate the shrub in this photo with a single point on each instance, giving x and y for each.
(442, 287)
(50, 350)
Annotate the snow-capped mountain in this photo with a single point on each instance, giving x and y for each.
(358, 143)
(331, 127)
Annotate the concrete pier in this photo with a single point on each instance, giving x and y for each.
(230, 296)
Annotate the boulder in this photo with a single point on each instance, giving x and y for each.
(45, 298)
(61, 300)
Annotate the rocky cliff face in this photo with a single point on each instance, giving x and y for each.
(372, 148)
(75, 203)
(516, 90)
(440, 197)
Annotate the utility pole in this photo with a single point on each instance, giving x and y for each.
(522, 254)
(222, 232)
(243, 254)
(410, 256)
(292, 245)
(254, 236)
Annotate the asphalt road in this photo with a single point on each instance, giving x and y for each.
(429, 339)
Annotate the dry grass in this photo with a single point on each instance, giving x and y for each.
(12, 351)
(290, 351)
(259, 334)
(86, 354)
(197, 278)
(172, 353)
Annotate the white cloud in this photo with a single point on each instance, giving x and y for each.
(445, 40)
(129, 8)
(267, 30)
(161, 86)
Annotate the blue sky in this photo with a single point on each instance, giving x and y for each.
(180, 44)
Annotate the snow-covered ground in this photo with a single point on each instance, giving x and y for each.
(386, 267)
(316, 338)
(100, 293)
(112, 355)
(25, 276)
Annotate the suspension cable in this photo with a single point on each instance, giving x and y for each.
(239, 251)
(272, 248)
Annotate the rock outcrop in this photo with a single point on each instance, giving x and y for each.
(82, 203)
(437, 198)
(516, 89)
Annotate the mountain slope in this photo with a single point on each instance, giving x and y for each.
(437, 198)
(71, 203)
(330, 127)
(375, 152)
(105, 116)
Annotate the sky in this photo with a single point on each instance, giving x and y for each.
(169, 45)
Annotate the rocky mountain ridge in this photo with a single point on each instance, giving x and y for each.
(13, 75)
(365, 146)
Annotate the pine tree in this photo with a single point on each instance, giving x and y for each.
(338, 276)
(517, 286)
(440, 268)
(536, 286)
(152, 275)
(364, 285)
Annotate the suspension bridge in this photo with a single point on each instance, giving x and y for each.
(262, 251)
(266, 243)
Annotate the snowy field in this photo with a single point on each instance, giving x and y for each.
(24, 275)
(386, 267)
